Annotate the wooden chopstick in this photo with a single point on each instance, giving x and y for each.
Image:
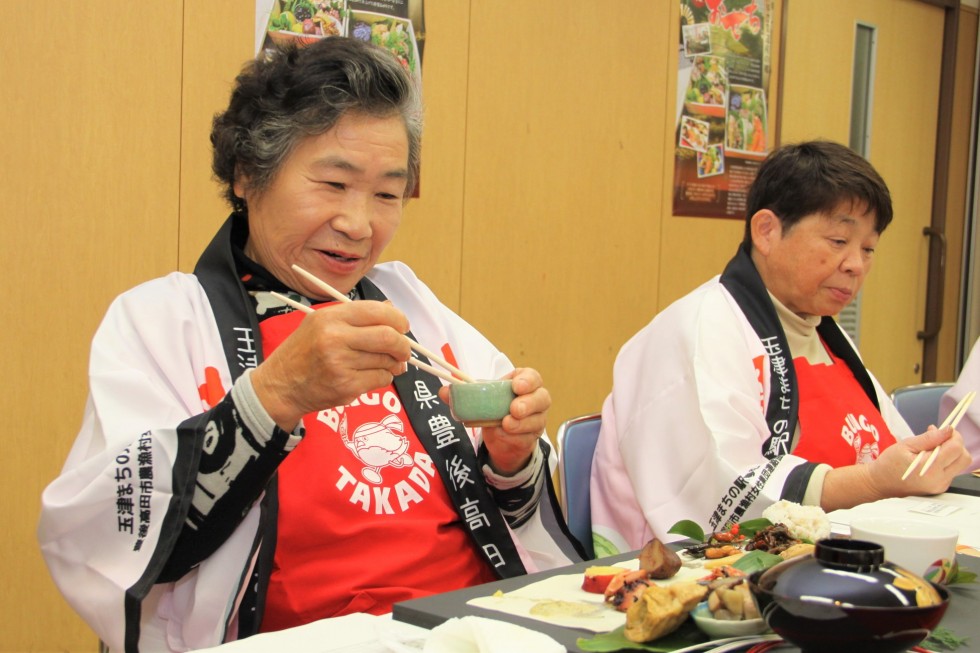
(931, 459)
(340, 297)
(414, 361)
(959, 411)
(951, 421)
(912, 465)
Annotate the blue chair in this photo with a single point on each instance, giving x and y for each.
(576, 442)
(919, 404)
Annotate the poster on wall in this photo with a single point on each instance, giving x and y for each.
(396, 25)
(724, 126)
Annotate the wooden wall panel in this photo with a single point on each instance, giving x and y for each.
(563, 183)
(430, 237)
(698, 249)
(218, 38)
(88, 195)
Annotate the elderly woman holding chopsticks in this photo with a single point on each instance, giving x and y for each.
(746, 391)
(244, 466)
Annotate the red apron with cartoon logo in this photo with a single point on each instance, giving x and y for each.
(839, 425)
(364, 519)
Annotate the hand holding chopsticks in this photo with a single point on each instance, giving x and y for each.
(414, 361)
(951, 421)
(458, 376)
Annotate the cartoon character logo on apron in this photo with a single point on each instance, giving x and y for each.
(377, 445)
(863, 436)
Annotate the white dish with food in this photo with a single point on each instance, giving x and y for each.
(718, 628)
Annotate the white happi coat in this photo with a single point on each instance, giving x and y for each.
(968, 380)
(685, 420)
(148, 360)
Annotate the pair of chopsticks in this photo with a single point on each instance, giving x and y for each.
(951, 421)
(457, 376)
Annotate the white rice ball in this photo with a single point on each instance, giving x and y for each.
(808, 523)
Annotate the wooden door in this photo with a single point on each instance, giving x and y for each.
(816, 93)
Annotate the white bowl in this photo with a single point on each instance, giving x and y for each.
(924, 548)
(719, 628)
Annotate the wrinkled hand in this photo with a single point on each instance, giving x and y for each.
(511, 444)
(953, 459)
(335, 355)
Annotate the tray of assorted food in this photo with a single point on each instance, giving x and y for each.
(671, 595)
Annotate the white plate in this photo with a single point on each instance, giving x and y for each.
(572, 606)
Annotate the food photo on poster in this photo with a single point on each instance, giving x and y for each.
(395, 25)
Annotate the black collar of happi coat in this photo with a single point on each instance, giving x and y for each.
(741, 279)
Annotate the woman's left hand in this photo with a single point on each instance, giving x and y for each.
(511, 444)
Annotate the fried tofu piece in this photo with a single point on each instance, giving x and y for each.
(661, 610)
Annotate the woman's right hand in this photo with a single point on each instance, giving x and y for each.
(952, 460)
(335, 355)
(852, 485)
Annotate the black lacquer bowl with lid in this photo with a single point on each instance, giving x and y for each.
(845, 597)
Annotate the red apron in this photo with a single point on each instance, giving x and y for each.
(839, 425)
(364, 518)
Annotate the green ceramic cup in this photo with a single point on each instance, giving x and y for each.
(483, 403)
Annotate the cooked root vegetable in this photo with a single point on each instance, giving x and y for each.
(659, 560)
(730, 599)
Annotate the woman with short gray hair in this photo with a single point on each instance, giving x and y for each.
(245, 467)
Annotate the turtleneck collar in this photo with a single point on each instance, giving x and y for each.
(801, 334)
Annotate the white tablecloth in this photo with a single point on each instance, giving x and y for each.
(353, 633)
(365, 633)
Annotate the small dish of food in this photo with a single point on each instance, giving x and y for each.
(730, 609)
(718, 628)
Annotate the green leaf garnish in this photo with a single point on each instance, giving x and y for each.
(757, 560)
(961, 576)
(687, 635)
(688, 528)
(693, 530)
(750, 527)
(943, 639)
